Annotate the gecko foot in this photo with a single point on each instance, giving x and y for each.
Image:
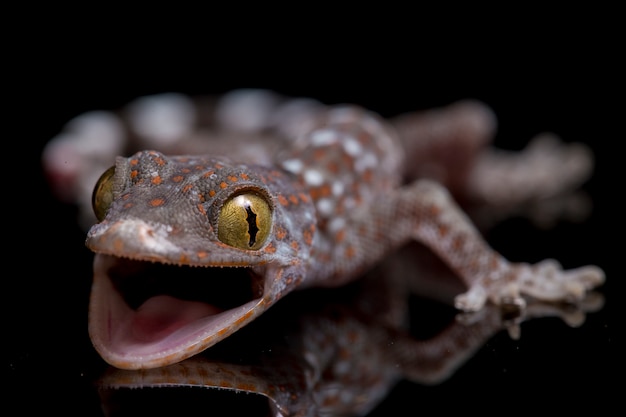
(545, 281)
(573, 314)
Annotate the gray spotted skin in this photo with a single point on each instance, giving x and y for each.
(181, 196)
(335, 177)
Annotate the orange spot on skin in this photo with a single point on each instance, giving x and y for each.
(332, 167)
(308, 237)
(269, 249)
(295, 245)
(199, 167)
(246, 386)
(184, 259)
(128, 205)
(211, 193)
(201, 209)
(232, 178)
(201, 197)
(340, 236)
(434, 210)
(202, 255)
(187, 188)
(134, 173)
(320, 154)
(125, 196)
(281, 233)
(156, 202)
(185, 170)
(178, 178)
(124, 364)
(118, 244)
(160, 161)
(134, 162)
(350, 252)
(243, 318)
(244, 176)
(208, 174)
(344, 353)
(223, 185)
(457, 242)
(219, 166)
(293, 199)
(304, 198)
(282, 200)
(443, 230)
(320, 192)
(156, 180)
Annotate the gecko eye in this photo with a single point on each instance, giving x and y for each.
(102, 195)
(245, 221)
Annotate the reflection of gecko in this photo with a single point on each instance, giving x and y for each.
(191, 248)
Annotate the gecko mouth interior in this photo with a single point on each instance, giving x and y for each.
(221, 287)
(145, 314)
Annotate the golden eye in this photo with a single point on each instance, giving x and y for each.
(245, 221)
(102, 195)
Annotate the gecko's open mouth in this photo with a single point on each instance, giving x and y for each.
(222, 288)
(145, 314)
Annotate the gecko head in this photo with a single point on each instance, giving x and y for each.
(188, 251)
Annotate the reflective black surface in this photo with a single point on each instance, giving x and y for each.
(50, 362)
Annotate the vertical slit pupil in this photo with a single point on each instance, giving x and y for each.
(252, 227)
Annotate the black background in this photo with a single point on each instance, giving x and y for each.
(544, 73)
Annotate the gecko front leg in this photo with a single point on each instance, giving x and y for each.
(425, 211)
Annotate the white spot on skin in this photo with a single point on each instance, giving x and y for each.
(325, 206)
(295, 117)
(246, 110)
(293, 165)
(342, 115)
(323, 137)
(162, 118)
(369, 160)
(97, 132)
(313, 177)
(352, 146)
(349, 203)
(337, 188)
(336, 224)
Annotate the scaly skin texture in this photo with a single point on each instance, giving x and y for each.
(337, 188)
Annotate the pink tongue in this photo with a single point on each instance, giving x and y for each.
(162, 315)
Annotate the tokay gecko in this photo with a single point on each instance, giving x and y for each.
(225, 205)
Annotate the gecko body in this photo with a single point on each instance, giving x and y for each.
(285, 194)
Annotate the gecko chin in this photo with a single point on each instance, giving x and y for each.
(146, 314)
